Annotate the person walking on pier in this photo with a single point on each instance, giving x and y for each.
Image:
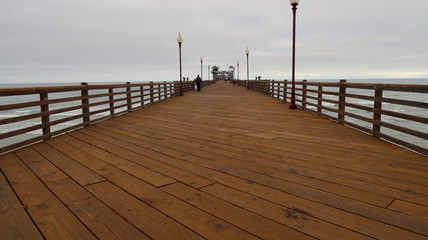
(198, 81)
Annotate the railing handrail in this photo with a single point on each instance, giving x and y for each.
(131, 96)
(70, 88)
(282, 90)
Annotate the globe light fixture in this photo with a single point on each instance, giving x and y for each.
(180, 41)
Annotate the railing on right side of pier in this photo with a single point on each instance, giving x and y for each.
(51, 111)
(341, 102)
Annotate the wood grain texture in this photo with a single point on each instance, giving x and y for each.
(223, 163)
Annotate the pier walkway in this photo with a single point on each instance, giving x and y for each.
(224, 163)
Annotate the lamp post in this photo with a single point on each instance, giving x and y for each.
(294, 3)
(208, 72)
(201, 68)
(248, 71)
(237, 64)
(180, 41)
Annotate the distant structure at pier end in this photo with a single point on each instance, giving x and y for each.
(223, 75)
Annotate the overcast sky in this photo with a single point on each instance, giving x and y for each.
(135, 40)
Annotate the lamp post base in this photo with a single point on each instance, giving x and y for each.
(292, 106)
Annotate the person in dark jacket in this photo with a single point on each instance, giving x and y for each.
(198, 83)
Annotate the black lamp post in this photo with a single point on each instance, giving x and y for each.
(180, 41)
(294, 3)
(248, 71)
(209, 72)
(237, 63)
(202, 59)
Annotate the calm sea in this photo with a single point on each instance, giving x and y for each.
(396, 108)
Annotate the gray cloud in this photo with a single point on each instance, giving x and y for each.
(135, 40)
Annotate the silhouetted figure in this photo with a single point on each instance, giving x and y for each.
(198, 81)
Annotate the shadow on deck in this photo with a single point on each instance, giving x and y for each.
(225, 163)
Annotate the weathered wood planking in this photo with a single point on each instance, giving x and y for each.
(224, 163)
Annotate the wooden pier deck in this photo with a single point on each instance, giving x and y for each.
(224, 163)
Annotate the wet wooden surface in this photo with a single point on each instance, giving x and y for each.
(224, 163)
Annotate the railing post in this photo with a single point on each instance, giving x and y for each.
(165, 90)
(271, 87)
(284, 89)
(304, 86)
(44, 108)
(319, 99)
(342, 99)
(142, 95)
(151, 93)
(111, 100)
(128, 96)
(377, 116)
(159, 92)
(85, 104)
(248, 84)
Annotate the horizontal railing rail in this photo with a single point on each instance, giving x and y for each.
(29, 115)
(397, 113)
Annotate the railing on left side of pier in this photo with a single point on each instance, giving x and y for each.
(362, 106)
(47, 109)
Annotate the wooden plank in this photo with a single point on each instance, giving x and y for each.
(46, 170)
(293, 181)
(135, 169)
(16, 224)
(265, 228)
(291, 167)
(149, 158)
(347, 204)
(193, 218)
(77, 171)
(8, 200)
(52, 218)
(14, 221)
(99, 218)
(351, 221)
(250, 196)
(149, 220)
(409, 208)
(103, 222)
(263, 141)
(303, 159)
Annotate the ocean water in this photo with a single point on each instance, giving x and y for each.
(420, 97)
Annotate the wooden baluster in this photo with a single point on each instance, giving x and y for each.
(152, 97)
(128, 96)
(342, 99)
(284, 89)
(111, 100)
(44, 108)
(165, 90)
(319, 99)
(142, 95)
(272, 84)
(159, 92)
(304, 94)
(377, 116)
(85, 103)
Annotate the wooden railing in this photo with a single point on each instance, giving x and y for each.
(394, 112)
(51, 111)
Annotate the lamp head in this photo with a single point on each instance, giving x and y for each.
(201, 59)
(294, 2)
(247, 51)
(179, 38)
